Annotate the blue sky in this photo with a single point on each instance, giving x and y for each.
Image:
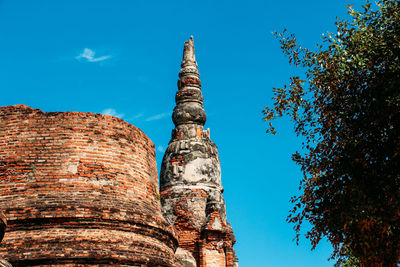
(122, 58)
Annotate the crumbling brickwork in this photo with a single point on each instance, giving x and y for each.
(79, 188)
(190, 180)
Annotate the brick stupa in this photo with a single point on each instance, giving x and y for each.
(191, 190)
(79, 189)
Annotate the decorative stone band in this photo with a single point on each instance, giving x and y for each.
(189, 95)
(189, 71)
(189, 82)
(189, 112)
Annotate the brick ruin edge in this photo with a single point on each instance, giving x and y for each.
(81, 189)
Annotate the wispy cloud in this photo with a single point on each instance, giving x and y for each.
(160, 149)
(134, 118)
(89, 56)
(112, 112)
(157, 117)
(137, 116)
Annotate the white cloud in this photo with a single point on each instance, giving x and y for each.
(89, 55)
(137, 116)
(157, 117)
(112, 112)
(160, 149)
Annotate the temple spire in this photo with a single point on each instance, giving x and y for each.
(190, 179)
(189, 99)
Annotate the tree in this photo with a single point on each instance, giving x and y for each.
(347, 108)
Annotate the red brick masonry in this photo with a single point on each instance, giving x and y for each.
(79, 189)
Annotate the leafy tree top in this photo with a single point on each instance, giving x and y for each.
(347, 108)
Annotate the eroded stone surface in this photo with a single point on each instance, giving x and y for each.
(190, 179)
(185, 258)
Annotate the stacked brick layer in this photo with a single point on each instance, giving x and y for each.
(79, 188)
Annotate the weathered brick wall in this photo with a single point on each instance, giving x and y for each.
(79, 188)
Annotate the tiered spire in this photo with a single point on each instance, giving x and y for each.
(190, 179)
(189, 99)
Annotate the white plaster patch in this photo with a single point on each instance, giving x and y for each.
(201, 169)
(216, 225)
(213, 257)
(185, 257)
(205, 187)
(96, 183)
(70, 167)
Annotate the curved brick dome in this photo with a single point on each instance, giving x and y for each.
(79, 188)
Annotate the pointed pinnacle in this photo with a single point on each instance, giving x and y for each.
(189, 58)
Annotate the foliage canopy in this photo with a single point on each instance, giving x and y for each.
(347, 107)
